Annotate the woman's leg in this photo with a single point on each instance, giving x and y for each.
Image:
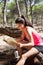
(33, 51)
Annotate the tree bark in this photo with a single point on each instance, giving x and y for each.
(26, 4)
(4, 12)
(17, 4)
(31, 12)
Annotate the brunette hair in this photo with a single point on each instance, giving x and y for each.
(24, 20)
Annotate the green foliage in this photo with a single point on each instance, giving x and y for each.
(38, 7)
(12, 11)
(11, 5)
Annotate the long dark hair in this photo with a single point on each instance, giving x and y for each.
(24, 20)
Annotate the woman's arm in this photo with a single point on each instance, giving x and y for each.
(20, 39)
(28, 35)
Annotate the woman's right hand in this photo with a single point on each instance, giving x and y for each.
(20, 45)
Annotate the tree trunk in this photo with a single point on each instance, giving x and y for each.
(17, 4)
(31, 12)
(4, 12)
(26, 4)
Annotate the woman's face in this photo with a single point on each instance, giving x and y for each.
(20, 26)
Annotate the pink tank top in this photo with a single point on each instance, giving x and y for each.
(37, 39)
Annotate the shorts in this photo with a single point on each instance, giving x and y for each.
(39, 48)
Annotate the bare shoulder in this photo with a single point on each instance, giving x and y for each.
(31, 29)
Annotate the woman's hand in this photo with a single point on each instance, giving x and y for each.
(20, 45)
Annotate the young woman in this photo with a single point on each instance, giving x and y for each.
(30, 39)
